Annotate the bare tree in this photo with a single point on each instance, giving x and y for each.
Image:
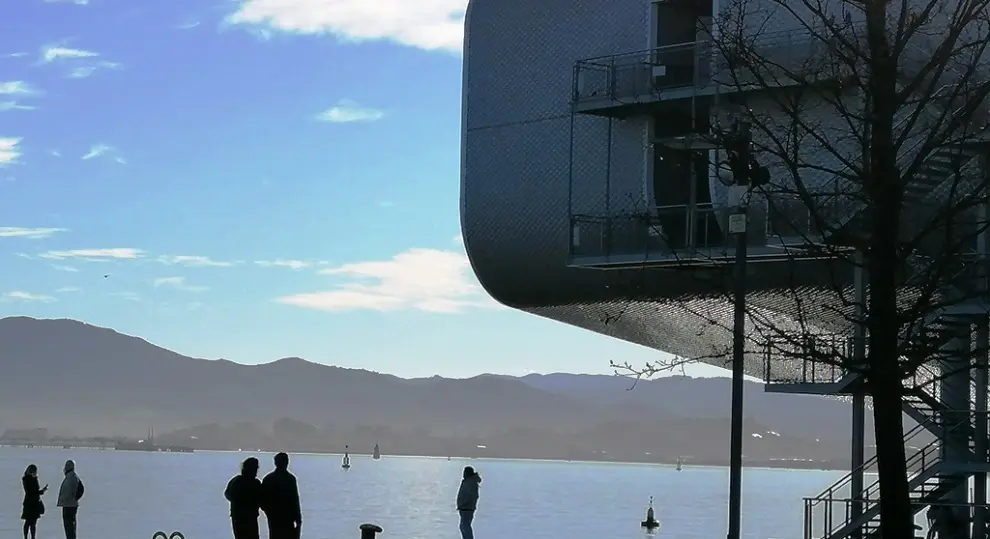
(869, 116)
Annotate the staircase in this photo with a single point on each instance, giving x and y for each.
(832, 514)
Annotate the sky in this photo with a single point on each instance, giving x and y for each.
(255, 179)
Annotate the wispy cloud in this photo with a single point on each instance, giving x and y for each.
(429, 280)
(68, 269)
(53, 53)
(29, 233)
(178, 283)
(425, 24)
(13, 55)
(14, 105)
(9, 152)
(193, 261)
(129, 296)
(19, 295)
(68, 290)
(76, 2)
(290, 264)
(82, 72)
(16, 87)
(347, 111)
(95, 255)
(189, 25)
(105, 151)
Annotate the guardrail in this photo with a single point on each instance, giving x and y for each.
(809, 353)
(666, 231)
(635, 74)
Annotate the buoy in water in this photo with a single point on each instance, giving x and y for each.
(651, 522)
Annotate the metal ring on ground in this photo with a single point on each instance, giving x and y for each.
(176, 535)
(159, 535)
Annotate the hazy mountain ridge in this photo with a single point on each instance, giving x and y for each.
(74, 377)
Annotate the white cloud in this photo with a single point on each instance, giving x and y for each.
(68, 289)
(30, 233)
(418, 279)
(76, 2)
(9, 152)
(346, 111)
(178, 283)
(69, 269)
(103, 150)
(15, 87)
(193, 261)
(52, 53)
(95, 255)
(189, 25)
(14, 105)
(425, 24)
(129, 296)
(18, 295)
(283, 263)
(82, 72)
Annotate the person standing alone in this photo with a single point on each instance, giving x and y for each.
(69, 494)
(244, 494)
(467, 500)
(280, 501)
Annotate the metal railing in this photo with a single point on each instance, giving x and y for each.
(633, 75)
(674, 230)
(922, 461)
(810, 351)
(871, 528)
(668, 230)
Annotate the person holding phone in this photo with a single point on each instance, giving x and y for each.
(33, 507)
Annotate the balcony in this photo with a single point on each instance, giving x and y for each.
(695, 235)
(631, 83)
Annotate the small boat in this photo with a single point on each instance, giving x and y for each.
(346, 463)
(377, 454)
(678, 463)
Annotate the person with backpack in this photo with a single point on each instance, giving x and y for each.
(69, 494)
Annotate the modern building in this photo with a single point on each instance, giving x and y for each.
(588, 197)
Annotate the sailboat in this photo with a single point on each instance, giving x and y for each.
(377, 454)
(678, 463)
(346, 463)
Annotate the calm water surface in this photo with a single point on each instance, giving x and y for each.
(129, 495)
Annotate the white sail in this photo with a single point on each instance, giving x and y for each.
(377, 454)
(346, 463)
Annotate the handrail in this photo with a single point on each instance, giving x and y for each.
(925, 457)
(828, 493)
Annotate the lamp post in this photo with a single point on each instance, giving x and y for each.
(747, 174)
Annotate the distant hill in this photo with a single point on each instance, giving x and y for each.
(80, 379)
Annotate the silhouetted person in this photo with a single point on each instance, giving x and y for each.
(244, 494)
(69, 494)
(467, 500)
(281, 501)
(33, 507)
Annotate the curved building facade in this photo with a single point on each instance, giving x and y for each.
(530, 164)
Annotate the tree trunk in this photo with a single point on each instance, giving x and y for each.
(883, 184)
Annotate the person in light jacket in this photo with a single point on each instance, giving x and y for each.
(467, 500)
(69, 495)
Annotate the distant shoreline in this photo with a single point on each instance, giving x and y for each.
(775, 464)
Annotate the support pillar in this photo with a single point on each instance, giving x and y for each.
(982, 443)
(859, 397)
(955, 397)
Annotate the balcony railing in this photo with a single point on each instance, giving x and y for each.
(631, 77)
(667, 231)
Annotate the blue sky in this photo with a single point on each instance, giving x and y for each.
(256, 179)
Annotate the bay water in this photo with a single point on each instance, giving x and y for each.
(130, 495)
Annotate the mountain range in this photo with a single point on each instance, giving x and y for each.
(77, 379)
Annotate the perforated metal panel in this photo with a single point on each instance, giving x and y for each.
(518, 184)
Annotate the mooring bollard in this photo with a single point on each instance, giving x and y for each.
(369, 531)
(162, 535)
